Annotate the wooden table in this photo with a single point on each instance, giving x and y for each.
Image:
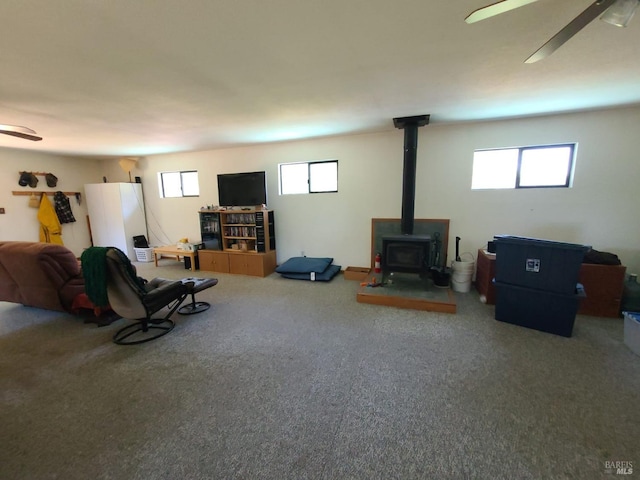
(173, 251)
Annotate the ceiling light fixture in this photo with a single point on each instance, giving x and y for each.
(620, 13)
(21, 132)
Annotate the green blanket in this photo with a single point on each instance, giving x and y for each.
(94, 270)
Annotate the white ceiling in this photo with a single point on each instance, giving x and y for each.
(139, 77)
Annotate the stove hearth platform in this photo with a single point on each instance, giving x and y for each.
(408, 291)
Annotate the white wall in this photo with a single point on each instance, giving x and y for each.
(598, 210)
(20, 222)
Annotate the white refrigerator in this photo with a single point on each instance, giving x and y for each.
(116, 215)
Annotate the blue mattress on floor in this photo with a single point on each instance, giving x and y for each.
(318, 269)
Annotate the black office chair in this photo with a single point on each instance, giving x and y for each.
(134, 298)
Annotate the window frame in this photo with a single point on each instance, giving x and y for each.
(308, 164)
(570, 167)
(182, 195)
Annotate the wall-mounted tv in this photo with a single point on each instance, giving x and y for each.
(242, 189)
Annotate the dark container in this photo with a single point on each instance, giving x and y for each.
(187, 263)
(140, 241)
(631, 296)
(545, 311)
(187, 260)
(210, 230)
(538, 264)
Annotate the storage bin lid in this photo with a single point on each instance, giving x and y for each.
(632, 316)
(537, 242)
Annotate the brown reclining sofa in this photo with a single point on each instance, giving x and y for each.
(41, 275)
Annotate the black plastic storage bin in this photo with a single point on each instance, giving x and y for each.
(539, 264)
(140, 241)
(545, 311)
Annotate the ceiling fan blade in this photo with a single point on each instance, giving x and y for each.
(570, 30)
(496, 9)
(22, 132)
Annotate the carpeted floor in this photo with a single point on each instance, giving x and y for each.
(285, 379)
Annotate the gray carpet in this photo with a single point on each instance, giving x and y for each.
(286, 379)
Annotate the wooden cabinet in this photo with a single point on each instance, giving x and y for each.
(213, 261)
(603, 285)
(239, 230)
(245, 242)
(256, 264)
(485, 273)
(241, 263)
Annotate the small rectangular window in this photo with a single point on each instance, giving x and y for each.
(495, 169)
(294, 178)
(178, 184)
(308, 177)
(190, 185)
(546, 167)
(525, 167)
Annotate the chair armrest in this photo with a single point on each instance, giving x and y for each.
(163, 295)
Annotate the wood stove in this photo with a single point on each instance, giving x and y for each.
(407, 252)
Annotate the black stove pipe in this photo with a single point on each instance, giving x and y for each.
(409, 179)
(410, 126)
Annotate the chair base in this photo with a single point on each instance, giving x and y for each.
(143, 331)
(194, 307)
(195, 285)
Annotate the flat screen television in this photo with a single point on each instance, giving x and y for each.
(242, 189)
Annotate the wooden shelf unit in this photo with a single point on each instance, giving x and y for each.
(243, 242)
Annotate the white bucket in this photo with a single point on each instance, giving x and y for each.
(463, 266)
(460, 286)
(462, 275)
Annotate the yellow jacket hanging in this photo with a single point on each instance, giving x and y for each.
(50, 228)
